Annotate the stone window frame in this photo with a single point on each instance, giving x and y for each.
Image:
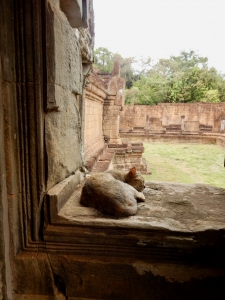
(35, 77)
(33, 241)
(44, 228)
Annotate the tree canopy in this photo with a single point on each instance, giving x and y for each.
(180, 79)
(103, 59)
(104, 62)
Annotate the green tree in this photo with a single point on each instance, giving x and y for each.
(184, 78)
(132, 95)
(103, 60)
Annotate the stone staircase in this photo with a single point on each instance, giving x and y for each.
(118, 156)
(105, 161)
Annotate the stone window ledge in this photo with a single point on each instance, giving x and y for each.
(176, 220)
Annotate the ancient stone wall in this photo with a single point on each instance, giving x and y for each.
(113, 105)
(167, 118)
(95, 95)
(103, 149)
(63, 121)
(43, 66)
(104, 99)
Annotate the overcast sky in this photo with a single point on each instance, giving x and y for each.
(161, 28)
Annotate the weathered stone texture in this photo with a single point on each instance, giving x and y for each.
(129, 155)
(94, 100)
(63, 124)
(176, 239)
(168, 206)
(192, 126)
(104, 99)
(192, 117)
(93, 125)
(113, 104)
(74, 12)
(9, 139)
(63, 141)
(144, 137)
(68, 64)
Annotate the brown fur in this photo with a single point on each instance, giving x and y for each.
(114, 192)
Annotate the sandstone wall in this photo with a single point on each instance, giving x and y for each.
(95, 96)
(63, 121)
(43, 62)
(194, 117)
(113, 104)
(103, 149)
(104, 99)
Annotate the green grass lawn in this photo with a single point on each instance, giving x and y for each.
(185, 163)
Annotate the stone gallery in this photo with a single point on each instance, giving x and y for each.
(59, 118)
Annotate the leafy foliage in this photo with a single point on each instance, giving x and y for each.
(104, 62)
(184, 78)
(179, 79)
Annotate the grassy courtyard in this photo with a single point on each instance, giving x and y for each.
(185, 163)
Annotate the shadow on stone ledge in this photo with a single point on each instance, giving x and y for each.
(169, 206)
(173, 248)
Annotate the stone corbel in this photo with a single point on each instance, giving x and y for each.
(76, 12)
(86, 69)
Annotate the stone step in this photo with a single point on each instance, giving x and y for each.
(107, 156)
(104, 161)
(94, 158)
(101, 166)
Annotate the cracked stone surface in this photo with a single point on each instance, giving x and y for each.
(168, 206)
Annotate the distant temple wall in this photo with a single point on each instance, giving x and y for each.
(173, 118)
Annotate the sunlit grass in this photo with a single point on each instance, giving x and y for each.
(185, 163)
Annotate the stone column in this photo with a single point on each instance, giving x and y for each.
(113, 105)
(182, 123)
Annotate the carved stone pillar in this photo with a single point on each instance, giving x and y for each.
(113, 105)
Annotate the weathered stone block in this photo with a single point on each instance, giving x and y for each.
(192, 126)
(62, 136)
(76, 12)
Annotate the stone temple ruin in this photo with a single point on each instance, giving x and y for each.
(103, 147)
(58, 118)
(175, 122)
